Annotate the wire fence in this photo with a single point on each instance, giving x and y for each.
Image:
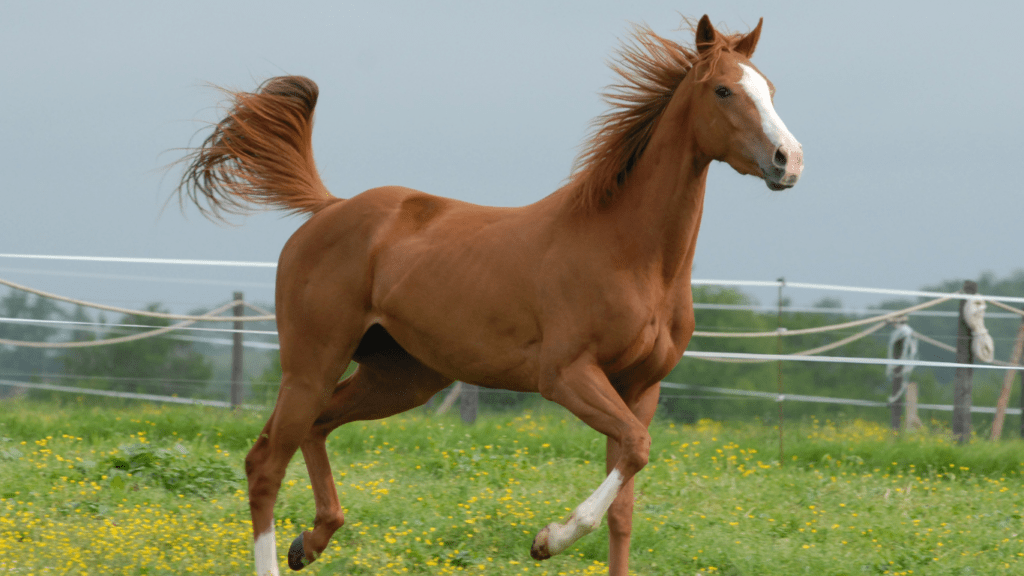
(186, 330)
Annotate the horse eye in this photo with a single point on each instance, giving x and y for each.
(723, 92)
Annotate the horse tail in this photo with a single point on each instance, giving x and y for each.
(260, 153)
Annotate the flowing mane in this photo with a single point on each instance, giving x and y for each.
(651, 68)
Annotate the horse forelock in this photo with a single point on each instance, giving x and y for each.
(650, 68)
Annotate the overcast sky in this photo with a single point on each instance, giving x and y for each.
(910, 116)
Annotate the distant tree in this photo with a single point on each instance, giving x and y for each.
(21, 361)
(157, 365)
(815, 379)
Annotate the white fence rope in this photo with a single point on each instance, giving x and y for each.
(823, 399)
(695, 282)
(147, 313)
(97, 325)
(128, 395)
(117, 340)
(720, 356)
(772, 309)
(982, 346)
(235, 263)
(829, 328)
(671, 385)
(836, 359)
(990, 300)
(839, 288)
(818, 350)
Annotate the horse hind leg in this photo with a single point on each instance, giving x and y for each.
(387, 382)
(265, 465)
(306, 384)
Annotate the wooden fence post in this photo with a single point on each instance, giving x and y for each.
(896, 406)
(913, 420)
(236, 353)
(1004, 394)
(964, 376)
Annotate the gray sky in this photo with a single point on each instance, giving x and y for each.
(910, 118)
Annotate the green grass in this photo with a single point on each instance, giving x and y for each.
(158, 490)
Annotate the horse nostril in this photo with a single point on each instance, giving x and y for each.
(780, 158)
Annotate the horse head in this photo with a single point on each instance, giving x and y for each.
(733, 112)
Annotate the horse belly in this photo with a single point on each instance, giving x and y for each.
(464, 316)
(454, 343)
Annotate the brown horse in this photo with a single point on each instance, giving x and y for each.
(583, 296)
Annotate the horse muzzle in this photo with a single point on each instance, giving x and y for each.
(786, 166)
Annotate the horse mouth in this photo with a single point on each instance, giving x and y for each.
(777, 184)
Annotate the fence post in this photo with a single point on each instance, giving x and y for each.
(913, 420)
(896, 406)
(778, 368)
(468, 403)
(1004, 394)
(236, 353)
(964, 376)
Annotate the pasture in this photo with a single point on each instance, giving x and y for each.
(160, 490)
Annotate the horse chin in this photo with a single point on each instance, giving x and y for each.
(775, 186)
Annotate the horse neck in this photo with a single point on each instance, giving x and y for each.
(656, 214)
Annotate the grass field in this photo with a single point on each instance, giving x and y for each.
(158, 490)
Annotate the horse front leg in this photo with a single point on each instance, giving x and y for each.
(620, 515)
(586, 392)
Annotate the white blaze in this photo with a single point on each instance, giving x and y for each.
(266, 554)
(757, 88)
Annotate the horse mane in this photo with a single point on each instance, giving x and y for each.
(650, 67)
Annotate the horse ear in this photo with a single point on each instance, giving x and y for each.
(748, 43)
(706, 34)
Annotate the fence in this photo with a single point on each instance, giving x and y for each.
(966, 355)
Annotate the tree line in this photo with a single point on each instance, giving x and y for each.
(161, 365)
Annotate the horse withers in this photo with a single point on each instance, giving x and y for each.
(583, 296)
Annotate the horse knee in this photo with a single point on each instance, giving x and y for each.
(619, 529)
(620, 518)
(637, 451)
(263, 483)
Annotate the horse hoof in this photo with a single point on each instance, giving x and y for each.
(540, 550)
(297, 554)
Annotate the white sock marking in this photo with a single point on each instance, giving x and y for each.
(586, 517)
(265, 550)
